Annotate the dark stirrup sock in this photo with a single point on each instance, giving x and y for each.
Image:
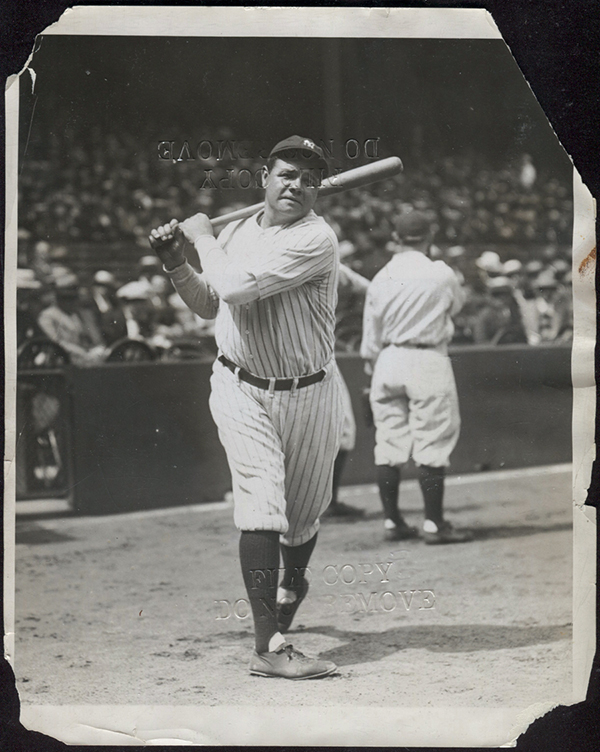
(338, 467)
(388, 481)
(431, 480)
(295, 561)
(259, 559)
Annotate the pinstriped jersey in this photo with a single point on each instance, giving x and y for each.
(289, 330)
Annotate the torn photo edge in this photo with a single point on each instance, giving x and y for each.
(448, 23)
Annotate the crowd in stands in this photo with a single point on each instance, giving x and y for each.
(92, 323)
(506, 232)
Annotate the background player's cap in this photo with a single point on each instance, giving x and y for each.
(413, 226)
(302, 148)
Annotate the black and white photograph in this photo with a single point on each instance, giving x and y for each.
(302, 396)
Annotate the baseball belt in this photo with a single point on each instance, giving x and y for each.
(417, 345)
(281, 385)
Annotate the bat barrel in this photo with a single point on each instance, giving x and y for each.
(344, 181)
(359, 176)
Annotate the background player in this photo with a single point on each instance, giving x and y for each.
(349, 280)
(271, 282)
(407, 327)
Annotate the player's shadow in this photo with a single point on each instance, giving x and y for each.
(516, 531)
(366, 647)
(32, 534)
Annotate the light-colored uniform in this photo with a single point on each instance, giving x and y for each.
(280, 445)
(407, 328)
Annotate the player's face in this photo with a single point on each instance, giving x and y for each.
(290, 190)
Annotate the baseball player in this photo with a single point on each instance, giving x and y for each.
(406, 331)
(271, 282)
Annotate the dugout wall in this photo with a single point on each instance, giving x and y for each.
(141, 434)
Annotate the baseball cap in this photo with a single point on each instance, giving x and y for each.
(413, 226)
(302, 148)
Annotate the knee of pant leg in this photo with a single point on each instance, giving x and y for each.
(299, 537)
(248, 517)
(392, 452)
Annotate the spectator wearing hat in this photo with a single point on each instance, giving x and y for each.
(28, 305)
(138, 309)
(489, 265)
(63, 323)
(458, 261)
(553, 315)
(500, 321)
(456, 258)
(532, 271)
(107, 307)
(148, 267)
(514, 272)
(473, 278)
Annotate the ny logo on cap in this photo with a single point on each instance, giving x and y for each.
(309, 143)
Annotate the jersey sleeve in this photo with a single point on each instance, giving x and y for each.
(309, 253)
(457, 292)
(195, 292)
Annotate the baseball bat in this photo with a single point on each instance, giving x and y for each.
(343, 181)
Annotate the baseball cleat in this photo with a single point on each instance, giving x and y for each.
(287, 611)
(400, 532)
(447, 534)
(288, 663)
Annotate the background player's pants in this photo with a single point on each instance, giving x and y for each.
(280, 450)
(415, 407)
(348, 438)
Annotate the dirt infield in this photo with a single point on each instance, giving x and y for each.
(149, 608)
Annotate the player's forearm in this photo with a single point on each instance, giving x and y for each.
(370, 346)
(352, 279)
(194, 291)
(232, 284)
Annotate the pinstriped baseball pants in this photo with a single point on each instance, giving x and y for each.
(280, 449)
